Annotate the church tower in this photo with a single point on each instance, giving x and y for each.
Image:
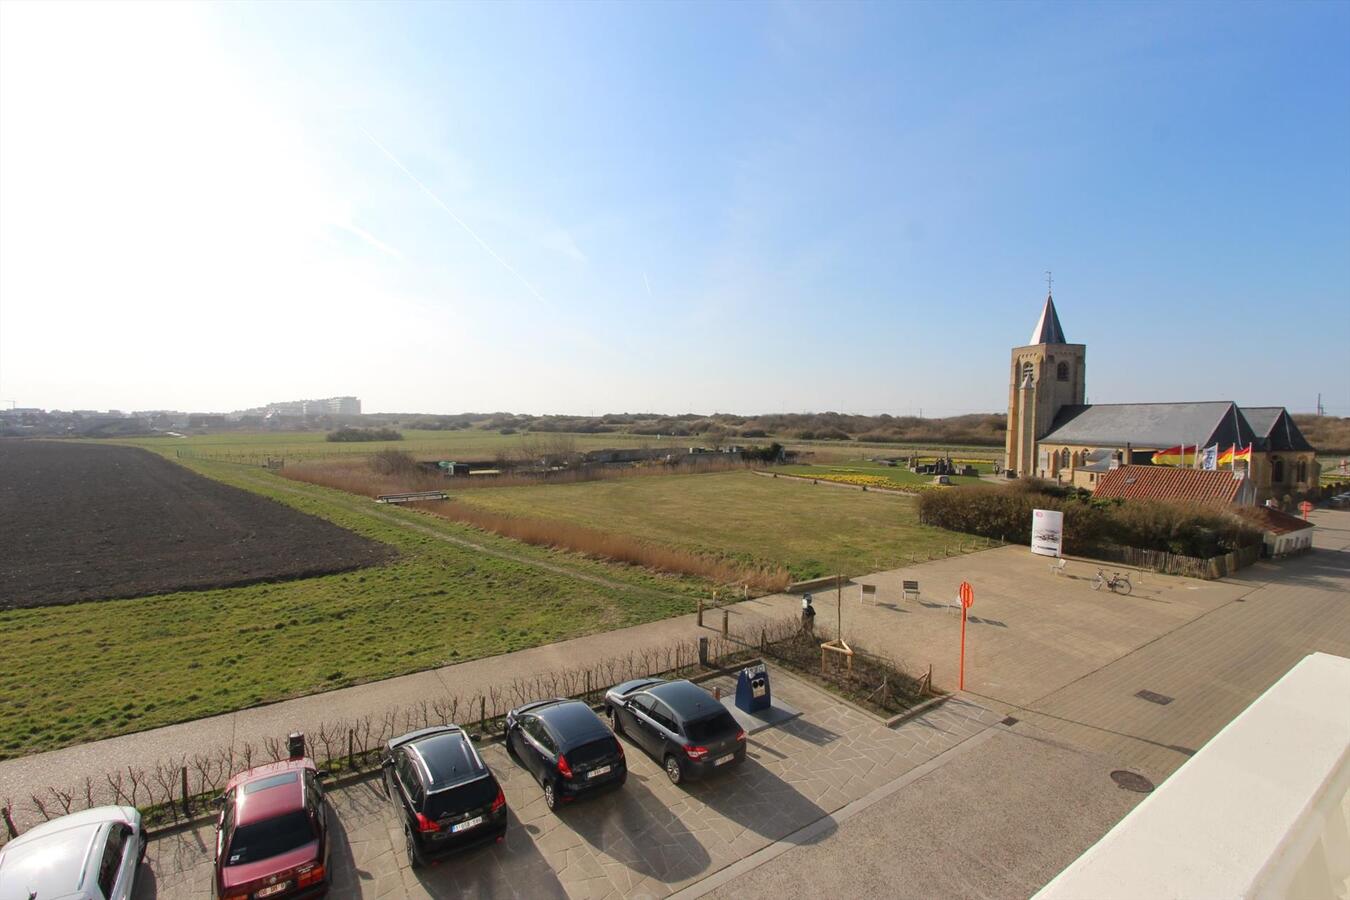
(1046, 375)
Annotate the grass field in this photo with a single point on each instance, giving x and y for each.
(814, 530)
(898, 474)
(474, 444)
(93, 670)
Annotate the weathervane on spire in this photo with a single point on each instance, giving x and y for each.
(1049, 283)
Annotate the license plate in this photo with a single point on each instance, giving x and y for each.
(274, 889)
(466, 824)
(598, 771)
(723, 760)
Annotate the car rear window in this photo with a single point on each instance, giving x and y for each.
(594, 751)
(712, 728)
(270, 837)
(461, 798)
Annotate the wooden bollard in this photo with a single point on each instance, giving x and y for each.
(700, 612)
(726, 622)
(351, 750)
(187, 803)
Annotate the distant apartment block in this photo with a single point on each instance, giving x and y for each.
(298, 409)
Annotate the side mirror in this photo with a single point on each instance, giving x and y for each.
(325, 775)
(476, 738)
(218, 801)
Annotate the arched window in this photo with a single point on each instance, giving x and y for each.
(1064, 458)
(1062, 372)
(1302, 470)
(1027, 370)
(1276, 469)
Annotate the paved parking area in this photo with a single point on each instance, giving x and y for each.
(645, 840)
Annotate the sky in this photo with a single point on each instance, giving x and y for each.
(747, 208)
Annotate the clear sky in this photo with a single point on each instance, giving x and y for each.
(670, 207)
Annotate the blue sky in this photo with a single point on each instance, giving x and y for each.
(696, 207)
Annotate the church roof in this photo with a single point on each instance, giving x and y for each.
(1169, 483)
(1151, 425)
(1275, 429)
(1048, 330)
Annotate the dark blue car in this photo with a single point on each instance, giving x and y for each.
(680, 724)
(567, 748)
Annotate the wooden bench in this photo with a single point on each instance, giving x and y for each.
(909, 587)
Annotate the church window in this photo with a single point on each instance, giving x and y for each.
(1276, 469)
(1063, 372)
(1064, 458)
(1302, 470)
(1027, 370)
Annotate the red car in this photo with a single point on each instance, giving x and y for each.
(272, 836)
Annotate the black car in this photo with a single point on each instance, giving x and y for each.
(448, 798)
(679, 723)
(566, 747)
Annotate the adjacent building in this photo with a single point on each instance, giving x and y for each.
(1054, 433)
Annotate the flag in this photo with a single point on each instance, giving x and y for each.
(1235, 454)
(1209, 457)
(1182, 455)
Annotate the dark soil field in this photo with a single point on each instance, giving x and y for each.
(90, 522)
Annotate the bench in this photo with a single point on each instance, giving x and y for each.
(909, 587)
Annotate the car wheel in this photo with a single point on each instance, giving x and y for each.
(615, 722)
(673, 770)
(511, 748)
(414, 860)
(550, 796)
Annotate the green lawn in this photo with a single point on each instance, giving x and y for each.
(93, 670)
(898, 474)
(814, 530)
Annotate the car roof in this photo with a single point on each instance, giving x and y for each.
(686, 699)
(636, 684)
(52, 863)
(447, 758)
(270, 769)
(571, 722)
(267, 795)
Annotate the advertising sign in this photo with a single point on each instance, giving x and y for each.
(1047, 531)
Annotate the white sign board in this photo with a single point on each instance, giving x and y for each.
(1047, 531)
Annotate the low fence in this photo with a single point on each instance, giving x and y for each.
(180, 789)
(1174, 564)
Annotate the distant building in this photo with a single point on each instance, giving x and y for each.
(299, 409)
(1054, 433)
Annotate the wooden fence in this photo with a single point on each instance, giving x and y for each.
(1174, 564)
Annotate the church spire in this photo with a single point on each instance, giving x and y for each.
(1048, 330)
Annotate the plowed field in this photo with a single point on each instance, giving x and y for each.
(95, 522)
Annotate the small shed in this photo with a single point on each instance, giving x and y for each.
(1283, 534)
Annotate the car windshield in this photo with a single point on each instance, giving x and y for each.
(270, 837)
(714, 727)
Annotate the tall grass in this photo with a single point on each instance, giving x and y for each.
(362, 479)
(617, 547)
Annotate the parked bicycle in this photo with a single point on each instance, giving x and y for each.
(1118, 583)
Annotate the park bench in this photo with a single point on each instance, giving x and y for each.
(909, 587)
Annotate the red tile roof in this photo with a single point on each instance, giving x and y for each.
(1273, 520)
(1169, 483)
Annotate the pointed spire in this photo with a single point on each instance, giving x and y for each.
(1048, 330)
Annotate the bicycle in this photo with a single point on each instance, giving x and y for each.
(1118, 583)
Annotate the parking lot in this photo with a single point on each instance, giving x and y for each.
(646, 839)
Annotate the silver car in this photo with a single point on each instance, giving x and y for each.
(90, 855)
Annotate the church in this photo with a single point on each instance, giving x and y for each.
(1054, 433)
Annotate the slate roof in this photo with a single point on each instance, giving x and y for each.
(1275, 429)
(1273, 520)
(1169, 483)
(1048, 330)
(1151, 425)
